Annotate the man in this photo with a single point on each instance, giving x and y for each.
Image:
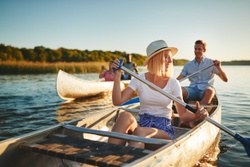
(201, 84)
(129, 65)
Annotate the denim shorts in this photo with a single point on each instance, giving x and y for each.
(194, 93)
(126, 76)
(162, 123)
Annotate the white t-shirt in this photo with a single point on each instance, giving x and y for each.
(152, 101)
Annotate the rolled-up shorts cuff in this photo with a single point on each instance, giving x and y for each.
(194, 93)
(162, 123)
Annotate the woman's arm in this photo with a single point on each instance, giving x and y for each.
(187, 115)
(119, 96)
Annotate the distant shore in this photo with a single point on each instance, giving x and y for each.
(44, 68)
(25, 67)
(42, 60)
(236, 62)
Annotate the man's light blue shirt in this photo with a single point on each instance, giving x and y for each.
(202, 79)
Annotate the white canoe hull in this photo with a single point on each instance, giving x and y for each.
(70, 87)
(186, 149)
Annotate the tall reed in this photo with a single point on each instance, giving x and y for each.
(24, 67)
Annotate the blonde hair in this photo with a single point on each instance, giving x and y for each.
(156, 65)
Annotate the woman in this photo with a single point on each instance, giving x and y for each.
(108, 75)
(155, 108)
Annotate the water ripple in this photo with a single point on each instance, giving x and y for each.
(30, 102)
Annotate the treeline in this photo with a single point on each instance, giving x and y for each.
(236, 62)
(47, 55)
(42, 54)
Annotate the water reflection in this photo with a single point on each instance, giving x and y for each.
(30, 102)
(211, 156)
(69, 110)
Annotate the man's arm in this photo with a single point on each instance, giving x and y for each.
(221, 74)
(180, 77)
(136, 70)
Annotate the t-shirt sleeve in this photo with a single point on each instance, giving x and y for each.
(176, 90)
(184, 70)
(134, 83)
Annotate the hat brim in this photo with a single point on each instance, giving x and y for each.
(173, 51)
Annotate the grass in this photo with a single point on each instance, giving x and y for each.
(24, 67)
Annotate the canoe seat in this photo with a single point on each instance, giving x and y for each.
(210, 108)
(85, 151)
(117, 135)
(179, 131)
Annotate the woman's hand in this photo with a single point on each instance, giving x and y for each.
(201, 113)
(116, 64)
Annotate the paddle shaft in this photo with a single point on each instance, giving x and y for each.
(159, 89)
(136, 100)
(222, 127)
(176, 100)
(195, 73)
(244, 141)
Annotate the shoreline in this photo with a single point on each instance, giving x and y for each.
(26, 67)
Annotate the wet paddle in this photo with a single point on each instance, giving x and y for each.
(137, 100)
(195, 73)
(244, 141)
(132, 101)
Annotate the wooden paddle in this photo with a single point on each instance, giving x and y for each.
(244, 141)
(195, 73)
(137, 100)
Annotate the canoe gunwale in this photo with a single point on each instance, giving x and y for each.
(158, 157)
(70, 87)
(168, 151)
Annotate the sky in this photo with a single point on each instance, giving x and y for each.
(129, 25)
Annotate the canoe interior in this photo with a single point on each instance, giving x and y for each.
(57, 146)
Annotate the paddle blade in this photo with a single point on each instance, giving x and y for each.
(132, 101)
(245, 142)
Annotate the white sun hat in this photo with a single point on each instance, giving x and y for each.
(156, 47)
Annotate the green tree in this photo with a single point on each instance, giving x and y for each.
(41, 54)
(17, 54)
(28, 54)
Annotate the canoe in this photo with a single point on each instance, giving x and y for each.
(70, 87)
(83, 142)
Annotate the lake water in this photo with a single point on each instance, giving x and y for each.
(30, 102)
